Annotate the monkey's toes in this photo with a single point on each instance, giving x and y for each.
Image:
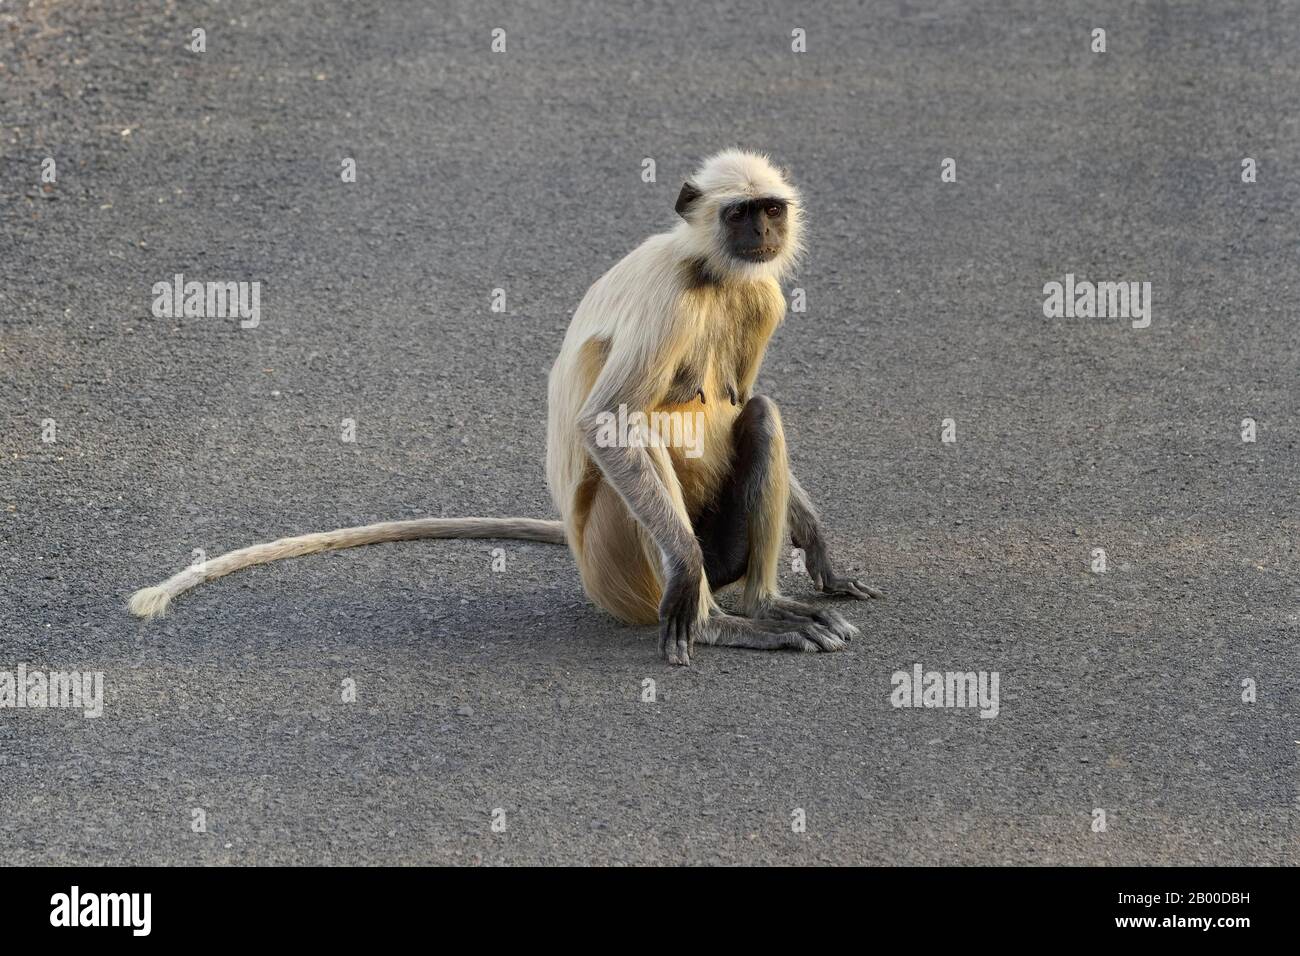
(818, 638)
(806, 614)
(836, 623)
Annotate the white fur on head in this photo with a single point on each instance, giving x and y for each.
(722, 179)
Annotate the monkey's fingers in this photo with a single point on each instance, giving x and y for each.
(667, 638)
(677, 613)
(674, 639)
(850, 587)
(685, 620)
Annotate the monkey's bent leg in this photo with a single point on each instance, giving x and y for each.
(616, 571)
(742, 533)
(622, 571)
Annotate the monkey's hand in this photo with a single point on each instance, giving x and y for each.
(679, 608)
(828, 582)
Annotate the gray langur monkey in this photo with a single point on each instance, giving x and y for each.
(677, 328)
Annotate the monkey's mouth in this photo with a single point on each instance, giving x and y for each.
(759, 253)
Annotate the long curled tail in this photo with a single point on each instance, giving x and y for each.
(150, 602)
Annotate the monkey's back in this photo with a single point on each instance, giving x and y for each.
(624, 317)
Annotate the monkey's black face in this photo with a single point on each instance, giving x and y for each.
(755, 230)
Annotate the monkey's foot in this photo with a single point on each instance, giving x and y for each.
(729, 630)
(779, 608)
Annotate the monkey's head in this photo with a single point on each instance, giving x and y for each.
(742, 218)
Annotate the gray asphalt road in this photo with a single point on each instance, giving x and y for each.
(476, 690)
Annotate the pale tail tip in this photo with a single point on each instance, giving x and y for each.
(149, 602)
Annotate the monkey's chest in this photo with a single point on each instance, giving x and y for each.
(701, 407)
(712, 380)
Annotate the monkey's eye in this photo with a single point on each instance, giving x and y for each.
(774, 210)
(736, 213)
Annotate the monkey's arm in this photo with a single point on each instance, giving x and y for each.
(633, 474)
(806, 532)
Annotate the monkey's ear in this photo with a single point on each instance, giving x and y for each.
(686, 198)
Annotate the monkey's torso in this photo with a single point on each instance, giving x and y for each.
(675, 342)
(716, 376)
